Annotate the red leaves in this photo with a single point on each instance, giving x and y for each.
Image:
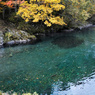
(17, 2)
(10, 3)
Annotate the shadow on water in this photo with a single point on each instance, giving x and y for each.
(67, 41)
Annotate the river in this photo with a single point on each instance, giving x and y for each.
(60, 65)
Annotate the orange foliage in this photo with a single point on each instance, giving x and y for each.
(10, 3)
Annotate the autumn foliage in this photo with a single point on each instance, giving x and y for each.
(42, 10)
(7, 3)
(52, 11)
(10, 3)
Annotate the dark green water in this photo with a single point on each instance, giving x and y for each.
(52, 66)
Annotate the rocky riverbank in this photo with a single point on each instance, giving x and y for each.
(78, 28)
(10, 36)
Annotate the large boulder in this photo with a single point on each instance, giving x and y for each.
(16, 37)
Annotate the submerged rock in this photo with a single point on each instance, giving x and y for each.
(67, 41)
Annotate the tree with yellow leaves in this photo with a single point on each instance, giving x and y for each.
(42, 10)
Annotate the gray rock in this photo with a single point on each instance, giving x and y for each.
(85, 26)
(10, 42)
(68, 30)
(15, 37)
(17, 42)
(1, 39)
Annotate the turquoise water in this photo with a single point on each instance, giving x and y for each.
(52, 66)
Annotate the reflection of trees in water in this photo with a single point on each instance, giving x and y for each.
(67, 41)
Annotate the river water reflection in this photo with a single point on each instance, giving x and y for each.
(62, 65)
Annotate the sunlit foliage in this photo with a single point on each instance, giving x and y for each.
(42, 10)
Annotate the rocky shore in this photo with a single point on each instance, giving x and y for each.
(78, 28)
(10, 36)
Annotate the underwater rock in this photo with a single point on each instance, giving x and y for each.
(54, 75)
(67, 41)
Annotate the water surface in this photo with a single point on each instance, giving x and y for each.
(61, 65)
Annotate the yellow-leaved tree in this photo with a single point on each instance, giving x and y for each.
(42, 10)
